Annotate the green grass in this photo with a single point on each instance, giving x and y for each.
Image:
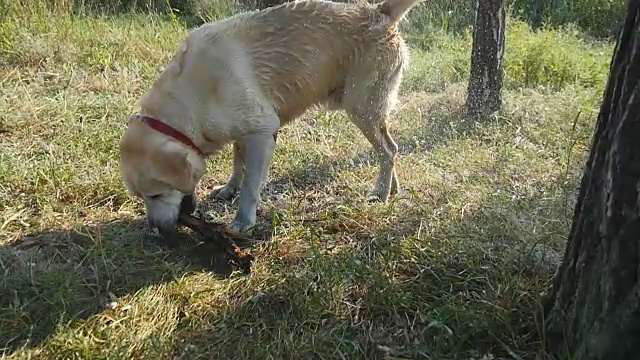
(450, 269)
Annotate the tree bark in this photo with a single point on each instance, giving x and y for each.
(594, 308)
(484, 92)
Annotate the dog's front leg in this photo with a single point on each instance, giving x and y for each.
(229, 190)
(259, 150)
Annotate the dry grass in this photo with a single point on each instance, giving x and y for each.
(450, 269)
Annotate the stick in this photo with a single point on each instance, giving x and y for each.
(218, 233)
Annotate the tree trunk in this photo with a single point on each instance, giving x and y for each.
(484, 92)
(594, 307)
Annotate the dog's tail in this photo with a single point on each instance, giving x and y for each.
(397, 9)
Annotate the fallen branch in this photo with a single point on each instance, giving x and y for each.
(218, 234)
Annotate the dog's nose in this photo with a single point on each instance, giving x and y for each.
(189, 204)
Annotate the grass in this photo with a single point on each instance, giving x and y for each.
(450, 269)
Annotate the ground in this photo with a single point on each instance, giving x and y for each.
(452, 268)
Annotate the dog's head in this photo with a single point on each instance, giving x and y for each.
(162, 171)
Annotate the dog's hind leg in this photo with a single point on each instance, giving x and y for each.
(230, 189)
(368, 105)
(373, 125)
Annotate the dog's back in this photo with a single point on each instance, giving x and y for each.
(304, 51)
(292, 56)
(300, 53)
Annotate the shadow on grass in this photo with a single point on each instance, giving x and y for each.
(465, 289)
(418, 283)
(119, 258)
(455, 288)
(56, 277)
(421, 282)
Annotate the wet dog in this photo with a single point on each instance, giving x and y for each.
(240, 79)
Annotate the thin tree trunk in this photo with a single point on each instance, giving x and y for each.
(594, 307)
(484, 92)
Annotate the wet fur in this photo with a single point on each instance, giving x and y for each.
(240, 79)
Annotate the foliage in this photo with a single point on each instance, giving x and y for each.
(600, 18)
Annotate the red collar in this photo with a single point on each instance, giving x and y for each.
(167, 130)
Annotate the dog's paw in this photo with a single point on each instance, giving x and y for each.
(242, 227)
(223, 192)
(379, 194)
(374, 199)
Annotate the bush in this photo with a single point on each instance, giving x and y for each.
(549, 58)
(600, 18)
(552, 58)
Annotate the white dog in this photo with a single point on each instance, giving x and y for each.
(240, 79)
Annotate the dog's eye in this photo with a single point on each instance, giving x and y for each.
(155, 197)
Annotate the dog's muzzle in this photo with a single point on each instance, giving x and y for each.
(188, 206)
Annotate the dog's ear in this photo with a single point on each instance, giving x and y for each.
(174, 168)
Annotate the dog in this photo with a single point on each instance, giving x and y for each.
(240, 79)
